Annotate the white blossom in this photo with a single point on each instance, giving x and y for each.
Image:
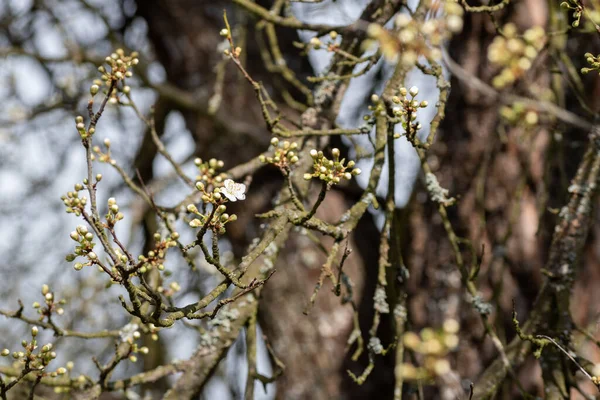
(233, 191)
(128, 333)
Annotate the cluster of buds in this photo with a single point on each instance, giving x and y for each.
(101, 156)
(233, 51)
(155, 258)
(52, 305)
(577, 8)
(119, 68)
(331, 171)
(228, 190)
(84, 132)
(153, 331)
(377, 108)
(405, 110)
(284, 154)
(208, 172)
(518, 114)
(215, 220)
(35, 360)
(330, 45)
(113, 215)
(594, 62)
(236, 52)
(85, 247)
(129, 334)
(412, 38)
(433, 346)
(73, 202)
(514, 53)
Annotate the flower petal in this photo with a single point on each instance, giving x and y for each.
(229, 196)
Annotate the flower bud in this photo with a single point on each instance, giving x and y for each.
(195, 223)
(315, 42)
(94, 89)
(414, 91)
